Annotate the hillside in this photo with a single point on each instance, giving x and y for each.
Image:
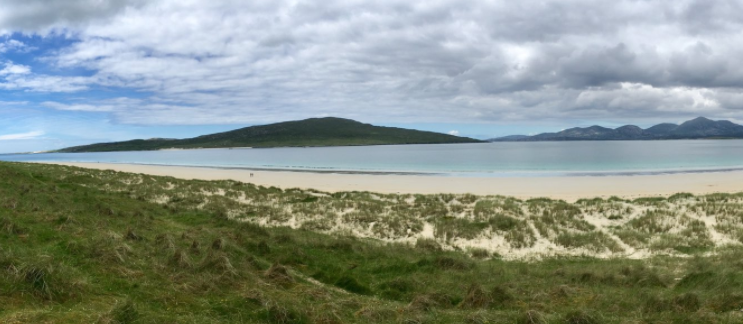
(698, 128)
(87, 246)
(328, 131)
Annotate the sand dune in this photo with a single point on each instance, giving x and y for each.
(500, 226)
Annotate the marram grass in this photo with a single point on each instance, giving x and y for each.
(85, 246)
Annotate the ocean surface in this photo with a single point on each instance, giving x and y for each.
(510, 159)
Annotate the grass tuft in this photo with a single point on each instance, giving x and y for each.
(195, 247)
(10, 227)
(131, 235)
(278, 274)
(479, 253)
(475, 297)
(531, 317)
(278, 314)
(38, 278)
(450, 263)
(218, 244)
(180, 260)
(422, 303)
(429, 302)
(580, 317)
(685, 303)
(122, 313)
(477, 318)
(727, 302)
(376, 314)
(427, 244)
(500, 296)
(688, 302)
(218, 262)
(263, 248)
(164, 241)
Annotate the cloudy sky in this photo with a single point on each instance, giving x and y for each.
(80, 71)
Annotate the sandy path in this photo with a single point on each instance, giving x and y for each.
(567, 188)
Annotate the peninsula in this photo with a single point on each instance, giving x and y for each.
(329, 131)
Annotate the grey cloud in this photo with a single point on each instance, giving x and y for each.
(702, 66)
(597, 66)
(732, 100)
(703, 17)
(40, 15)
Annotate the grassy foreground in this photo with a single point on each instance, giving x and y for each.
(77, 246)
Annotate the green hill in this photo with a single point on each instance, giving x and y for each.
(88, 246)
(328, 131)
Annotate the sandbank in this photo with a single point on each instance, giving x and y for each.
(569, 188)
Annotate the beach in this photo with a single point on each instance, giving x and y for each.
(568, 188)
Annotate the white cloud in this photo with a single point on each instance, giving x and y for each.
(44, 83)
(13, 45)
(22, 136)
(14, 69)
(238, 61)
(20, 77)
(12, 103)
(77, 107)
(454, 132)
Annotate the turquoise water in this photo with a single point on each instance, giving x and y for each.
(593, 158)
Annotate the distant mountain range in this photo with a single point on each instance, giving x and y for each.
(698, 128)
(328, 131)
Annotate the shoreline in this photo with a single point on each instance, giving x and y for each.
(568, 188)
(459, 174)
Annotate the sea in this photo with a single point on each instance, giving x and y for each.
(503, 159)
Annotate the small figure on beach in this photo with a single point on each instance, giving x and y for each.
(251, 174)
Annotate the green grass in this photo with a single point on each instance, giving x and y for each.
(327, 131)
(80, 246)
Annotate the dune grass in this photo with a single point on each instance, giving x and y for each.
(512, 228)
(86, 246)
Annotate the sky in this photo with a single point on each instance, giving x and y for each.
(76, 72)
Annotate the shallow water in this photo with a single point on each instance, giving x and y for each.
(589, 158)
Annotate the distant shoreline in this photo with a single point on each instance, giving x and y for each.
(256, 147)
(566, 188)
(462, 174)
(496, 140)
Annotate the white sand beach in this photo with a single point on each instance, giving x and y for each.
(567, 188)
